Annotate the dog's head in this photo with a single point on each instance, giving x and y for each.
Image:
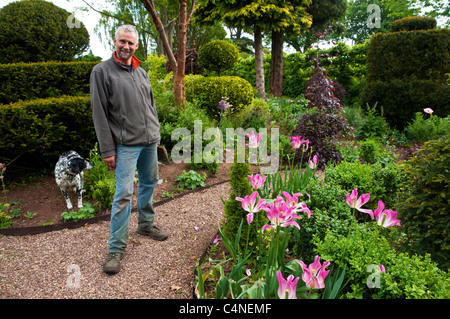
(78, 165)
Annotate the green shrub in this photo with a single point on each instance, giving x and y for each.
(413, 23)
(381, 181)
(372, 124)
(209, 91)
(406, 72)
(35, 133)
(424, 201)
(406, 277)
(218, 56)
(99, 180)
(28, 81)
(233, 211)
(329, 211)
(254, 115)
(369, 150)
(432, 127)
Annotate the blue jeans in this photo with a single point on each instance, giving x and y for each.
(128, 158)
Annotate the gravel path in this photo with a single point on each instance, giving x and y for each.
(67, 264)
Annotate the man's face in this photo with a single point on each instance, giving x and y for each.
(126, 44)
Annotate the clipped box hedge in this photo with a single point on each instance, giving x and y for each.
(35, 133)
(211, 90)
(28, 81)
(406, 72)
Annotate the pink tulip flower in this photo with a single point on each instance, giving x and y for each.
(293, 201)
(312, 164)
(257, 181)
(354, 202)
(287, 287)
(385, 218)
(296, 142)
(382, 269)
(314, 275)
(249, 204)
(253, 139)
(280, 214)
(428, 110)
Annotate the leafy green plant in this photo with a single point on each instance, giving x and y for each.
(191, 179)
(369, 150)
(99, 180)
(87, 211)
(424, 201)
(425, 129)
(218, 56)
(365, 249)
(29, 215)
(373, 125)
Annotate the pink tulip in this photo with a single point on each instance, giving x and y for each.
(314, 275)
(249, 204)
(298, 206)
(287, 287)
(382, 269)
(354, 202)
(296, 142)
(428, 110)
(280, 214)
(253, 140)
(257, 181)
(312, 164)
(385, 218)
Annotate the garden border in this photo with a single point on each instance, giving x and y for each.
(34, 230)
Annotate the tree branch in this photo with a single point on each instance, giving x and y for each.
(150, 6)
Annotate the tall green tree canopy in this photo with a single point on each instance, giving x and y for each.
(37, 31)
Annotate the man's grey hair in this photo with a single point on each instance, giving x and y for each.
(127, 28)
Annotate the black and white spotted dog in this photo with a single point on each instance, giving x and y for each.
(69, 175)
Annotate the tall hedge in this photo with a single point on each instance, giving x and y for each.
(35, 133)
(406, 73)
(27, 81)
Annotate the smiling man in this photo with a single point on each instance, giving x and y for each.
(128, 131)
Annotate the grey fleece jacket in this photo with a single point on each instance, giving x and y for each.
(123, 108)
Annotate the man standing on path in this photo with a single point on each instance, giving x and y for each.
(128, 131)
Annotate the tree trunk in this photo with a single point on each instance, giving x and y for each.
(179, 72)
(276, 67)
(178, 65)
(259, 64)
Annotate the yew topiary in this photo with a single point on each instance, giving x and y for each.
(218, 56)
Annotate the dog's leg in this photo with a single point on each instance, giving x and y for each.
(66, 196)
(79, 190)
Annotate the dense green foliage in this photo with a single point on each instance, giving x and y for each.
(218, 56)
(36, 132)
(36, 31)
(209, 91)
(365, 249)
(406, 72)
(27, 81)
(425, 198)
(413, 23)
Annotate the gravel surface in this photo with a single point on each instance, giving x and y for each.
(67, 264)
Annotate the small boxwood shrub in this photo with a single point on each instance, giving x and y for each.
(27, 81)
(424, 202)
(209, 91)
(381, 181)
(218, 56)
(35, 133)
(406, 277)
